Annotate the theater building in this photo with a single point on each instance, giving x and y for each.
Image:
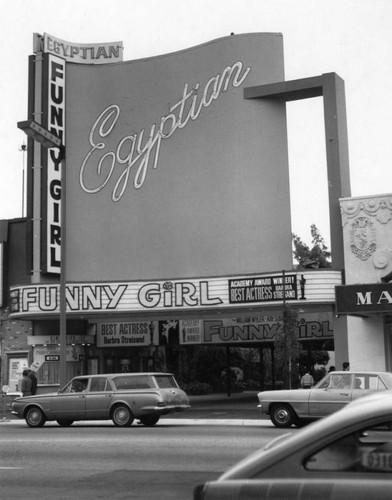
(168, 216)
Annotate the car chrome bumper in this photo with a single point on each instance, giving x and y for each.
(163, 410)
(172, 407)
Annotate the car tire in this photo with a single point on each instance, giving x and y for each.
(35, 417)
(282, 416)
(149, 420)
(65, 423)
(122, 416)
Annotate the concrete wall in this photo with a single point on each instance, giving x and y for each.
(366, 344)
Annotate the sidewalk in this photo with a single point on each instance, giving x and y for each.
(237, 405)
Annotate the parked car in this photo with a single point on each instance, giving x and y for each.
(120, 397)
(346, 455)
(332, 393)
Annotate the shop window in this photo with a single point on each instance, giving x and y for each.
(48, 373)
(16, 365)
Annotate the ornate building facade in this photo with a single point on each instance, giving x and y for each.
(366, 298)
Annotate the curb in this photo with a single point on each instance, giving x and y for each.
(219, 421)
(162, 422)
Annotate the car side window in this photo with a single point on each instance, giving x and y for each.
(166, 381)
(368, 381)
(326, 383)
(336, 381)
(344, 382)
(79, 385)
(367, 450)
(133, 382)
(99, 384)
(374, 382)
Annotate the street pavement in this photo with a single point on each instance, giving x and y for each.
(222, 409)
(211, 409)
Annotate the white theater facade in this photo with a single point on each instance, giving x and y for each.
(178, 225)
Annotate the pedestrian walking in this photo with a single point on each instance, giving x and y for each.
(34, 382)
(307, 381)
(26, 384)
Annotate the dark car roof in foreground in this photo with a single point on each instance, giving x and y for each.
(315, 434)
(111, 375)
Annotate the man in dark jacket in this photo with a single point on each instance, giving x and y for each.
(34, 382)
(25, 387)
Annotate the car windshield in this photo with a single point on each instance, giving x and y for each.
(166, 381)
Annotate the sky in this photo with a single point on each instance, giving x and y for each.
(352, 38)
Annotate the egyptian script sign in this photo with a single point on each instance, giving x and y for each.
(140, 151)
(152, 141)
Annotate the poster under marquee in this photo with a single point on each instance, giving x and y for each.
(15, 369)
(253, 329)
(219, 330)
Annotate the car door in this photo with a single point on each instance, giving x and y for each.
(138, 391)
(332, 395)
(70, 404)
(98, 399)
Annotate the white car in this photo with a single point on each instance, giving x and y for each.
(332, 393)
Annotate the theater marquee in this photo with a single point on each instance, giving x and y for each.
(84, 299)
